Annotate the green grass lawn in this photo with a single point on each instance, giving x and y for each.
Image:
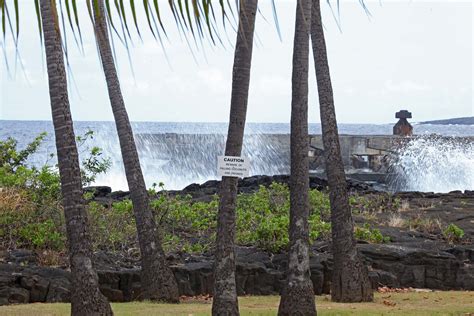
(412, 303)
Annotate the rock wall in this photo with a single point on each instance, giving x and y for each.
(258, 273)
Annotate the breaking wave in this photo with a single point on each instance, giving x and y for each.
(434, 164)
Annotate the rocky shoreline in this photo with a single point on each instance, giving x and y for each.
(413, 258)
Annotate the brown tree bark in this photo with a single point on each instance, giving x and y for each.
(298, 295)
(86, 299)
(350, 281)
(158, 281)
(225, 291)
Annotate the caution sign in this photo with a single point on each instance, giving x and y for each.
(232, 166)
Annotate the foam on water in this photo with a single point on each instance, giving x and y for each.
(179, 154)
(435, 164)
(178, 160)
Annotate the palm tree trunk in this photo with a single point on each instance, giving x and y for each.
(350, 281)
(225, 291)
(298, 295)
(86, 299)
(158, 281)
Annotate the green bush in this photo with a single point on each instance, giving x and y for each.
(262, 220)
(30, 223)
(31, 215)
(185, 226)
(453, 233)
(94, 164)
(44, 182)
(11, 158)
(43, 235)
(30, 198)
(112, 228)
(373, 203)
(372, 235)
(263, 217)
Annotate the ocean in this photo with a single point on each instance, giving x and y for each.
(181, 153)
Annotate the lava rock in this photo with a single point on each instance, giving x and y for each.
(98, 191)
(21, 256)
(417, 264)
(14, 295)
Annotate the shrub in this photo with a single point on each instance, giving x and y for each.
(373, 203)
(25, 222)
(262, 219)
(453, 233)
(43, 235)
(31, 215)
(30, 198)
(44, 182)
(372, 235)
(94, 163)
(112, 228)
(420, 222)
(11, 158)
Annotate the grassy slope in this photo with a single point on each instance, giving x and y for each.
(419, 304)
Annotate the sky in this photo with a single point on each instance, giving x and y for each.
(407, 54)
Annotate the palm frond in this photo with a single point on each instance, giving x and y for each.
(196, 18)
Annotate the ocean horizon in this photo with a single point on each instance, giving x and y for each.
(171, 161)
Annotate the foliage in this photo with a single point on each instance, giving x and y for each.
(112, 228)
(16, 172)
(420, 222)
(453, 233)
(94, 164)
(372, 235)
(30, 209)
(28, 222)
(31, 215)
(265, 216)
(43, 234)
(373, 203)
(186, 226)
(11, 158)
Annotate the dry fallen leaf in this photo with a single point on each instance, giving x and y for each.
(389, 303)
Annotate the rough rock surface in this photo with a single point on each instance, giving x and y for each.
(435, 266)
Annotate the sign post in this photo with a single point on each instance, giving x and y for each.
(233, 166)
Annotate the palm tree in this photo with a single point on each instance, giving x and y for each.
(350, 281)
(298, 295)
(86, 298)
(225, 292)
(158, 281)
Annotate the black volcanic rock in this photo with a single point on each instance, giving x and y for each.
(98, 191)
(438, 266)
(251, 184)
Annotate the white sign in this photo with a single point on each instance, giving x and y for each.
(232, 166)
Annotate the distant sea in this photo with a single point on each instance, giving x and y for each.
(28, 129)
(156, 165)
